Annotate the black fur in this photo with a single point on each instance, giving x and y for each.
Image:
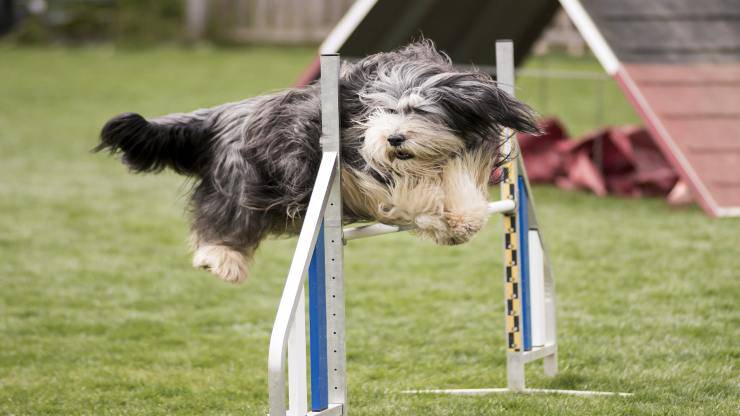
(150, 147)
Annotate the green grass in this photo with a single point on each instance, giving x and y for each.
(100, 312)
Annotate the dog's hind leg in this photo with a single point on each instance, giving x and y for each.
(225, 233)
(230, 264)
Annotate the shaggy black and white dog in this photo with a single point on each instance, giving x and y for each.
(419, 140)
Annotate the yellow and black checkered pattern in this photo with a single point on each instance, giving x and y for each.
(511, 243)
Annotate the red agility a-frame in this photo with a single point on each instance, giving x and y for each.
(678, 62)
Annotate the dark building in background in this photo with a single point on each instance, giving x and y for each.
(7, 15)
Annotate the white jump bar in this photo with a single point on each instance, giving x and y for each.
(482, 392)
(364, 231)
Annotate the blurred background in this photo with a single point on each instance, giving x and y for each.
(101, 313)
(554, 63)
(226, 24)
(129, 22)
(281, 22)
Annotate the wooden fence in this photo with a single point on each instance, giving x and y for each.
(277, 21)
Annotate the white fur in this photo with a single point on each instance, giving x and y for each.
(448, 208)
(223, 261)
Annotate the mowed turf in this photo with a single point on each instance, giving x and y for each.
(101, 313)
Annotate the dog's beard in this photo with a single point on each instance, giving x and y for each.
(426, 147)
(460, 186)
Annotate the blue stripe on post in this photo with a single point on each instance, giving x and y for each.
(523, 215)
(317, 325)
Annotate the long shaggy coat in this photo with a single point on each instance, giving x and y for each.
(418, 139)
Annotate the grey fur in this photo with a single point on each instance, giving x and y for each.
(256, 160)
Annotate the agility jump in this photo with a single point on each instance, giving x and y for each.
(529, 285)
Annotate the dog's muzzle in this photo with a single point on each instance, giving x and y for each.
(402, 155)
(396, 140)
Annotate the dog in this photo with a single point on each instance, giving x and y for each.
(419, 140)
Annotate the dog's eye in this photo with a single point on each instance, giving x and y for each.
(391, 111)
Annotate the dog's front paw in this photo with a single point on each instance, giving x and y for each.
(434, 228)
(462, 228)
(223, 261)
(451, 228)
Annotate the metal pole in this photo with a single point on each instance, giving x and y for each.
(364, 231)
(334, 258)
(297, 389)
(512, 281)
(294, 283)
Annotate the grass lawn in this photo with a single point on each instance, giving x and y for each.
(100, 312)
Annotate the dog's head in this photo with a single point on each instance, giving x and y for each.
(419, 112)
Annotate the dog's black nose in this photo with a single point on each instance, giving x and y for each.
(396, 139)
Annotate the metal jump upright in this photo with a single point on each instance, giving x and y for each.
(320, 250)
(529, 285)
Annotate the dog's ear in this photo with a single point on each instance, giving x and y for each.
(475, 104)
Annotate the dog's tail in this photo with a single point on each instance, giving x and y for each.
(177, 141)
